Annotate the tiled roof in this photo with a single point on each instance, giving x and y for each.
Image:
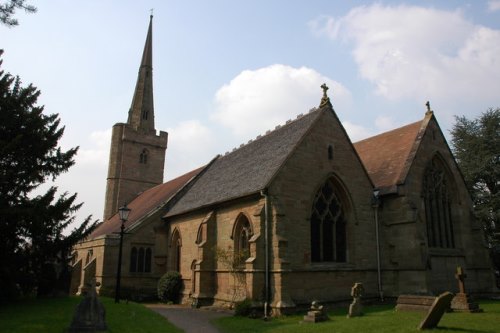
(387, 156)
(246, 170)
(145, 203)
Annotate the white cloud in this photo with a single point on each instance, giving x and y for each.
(385, 123)
(356, 132)
(420, 53)
(190, 145)
(258, 100)
(494, 5)
(98, 152)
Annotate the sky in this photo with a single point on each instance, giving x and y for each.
(225, 71)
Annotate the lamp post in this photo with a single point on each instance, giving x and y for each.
(123, 212)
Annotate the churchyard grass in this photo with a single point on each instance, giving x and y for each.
(376, 319)
(54, 315)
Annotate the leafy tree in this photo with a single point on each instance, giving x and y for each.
(8, 9)
(476, 145)
(32, 243)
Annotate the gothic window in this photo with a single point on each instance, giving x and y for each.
(140, 260)
(437, 200)
(328, 226)
(143, 158)
(147, 261)
(175, 251)
(90, 254)
(330, 152)
(241, 235)
(133, 260)
(145, 114)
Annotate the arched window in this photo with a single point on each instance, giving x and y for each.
(90, 254)
(241, 235)
(175, 251)
(145, 114)
(437, 199)
(133, 260)
(330, 152)
(328, 226)
(140, 260)
(143, 158)
(147, 261)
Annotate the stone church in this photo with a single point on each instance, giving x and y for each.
(298, 214)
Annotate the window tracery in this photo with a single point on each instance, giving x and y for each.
(328, 226)
(437, 200)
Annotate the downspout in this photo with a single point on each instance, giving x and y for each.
(266, 250)
(375, 204)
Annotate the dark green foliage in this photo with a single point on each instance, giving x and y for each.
(8, 9)
(169, 287)
(476, 145)
(243, 308)
(31, 226)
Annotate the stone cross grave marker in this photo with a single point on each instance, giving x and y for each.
(440, 305)
(356, 308)
(316, 314)
(462, 302)
(89, 314)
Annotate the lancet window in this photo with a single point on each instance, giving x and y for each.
(328, 226)
(140, 259)
(241, 235)
(437, 199)
(143, 158)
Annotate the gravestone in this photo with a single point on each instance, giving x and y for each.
(414, 303)
(462, 302)
(316, 314)
(438, 308)
(356, 308)
(89, 314)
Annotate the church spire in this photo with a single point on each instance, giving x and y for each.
(141, 113)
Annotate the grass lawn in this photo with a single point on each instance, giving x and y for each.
(54, 315)
(376, 319)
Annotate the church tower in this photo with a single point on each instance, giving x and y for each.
(137, 154)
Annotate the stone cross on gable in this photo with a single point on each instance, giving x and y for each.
(325, 100)
(428, 104)
(460, 276)
(325, 89)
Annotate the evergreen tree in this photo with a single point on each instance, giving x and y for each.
(8, 9)
(476, 145)
(32, 243)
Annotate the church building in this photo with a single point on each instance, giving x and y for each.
(298, 214)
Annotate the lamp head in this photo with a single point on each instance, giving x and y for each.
(124, 211)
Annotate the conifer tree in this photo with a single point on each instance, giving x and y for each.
(476, 145)
(32, 243)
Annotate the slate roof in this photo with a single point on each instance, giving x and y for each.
(248, 169)
(388, 156)
(146, 203)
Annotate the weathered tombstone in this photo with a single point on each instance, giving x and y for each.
(356, 308)
(89, 314)
(438, 308)
(316, 314)
(462, 302)
(414, 303)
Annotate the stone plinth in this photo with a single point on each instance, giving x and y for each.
(316, 314)
(464, 303)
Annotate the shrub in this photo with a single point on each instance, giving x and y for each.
(169, 287)
(243, 308)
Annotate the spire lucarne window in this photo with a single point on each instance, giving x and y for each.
(436, 195)
(328, 226)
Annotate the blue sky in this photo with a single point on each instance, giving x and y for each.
(226, 71)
